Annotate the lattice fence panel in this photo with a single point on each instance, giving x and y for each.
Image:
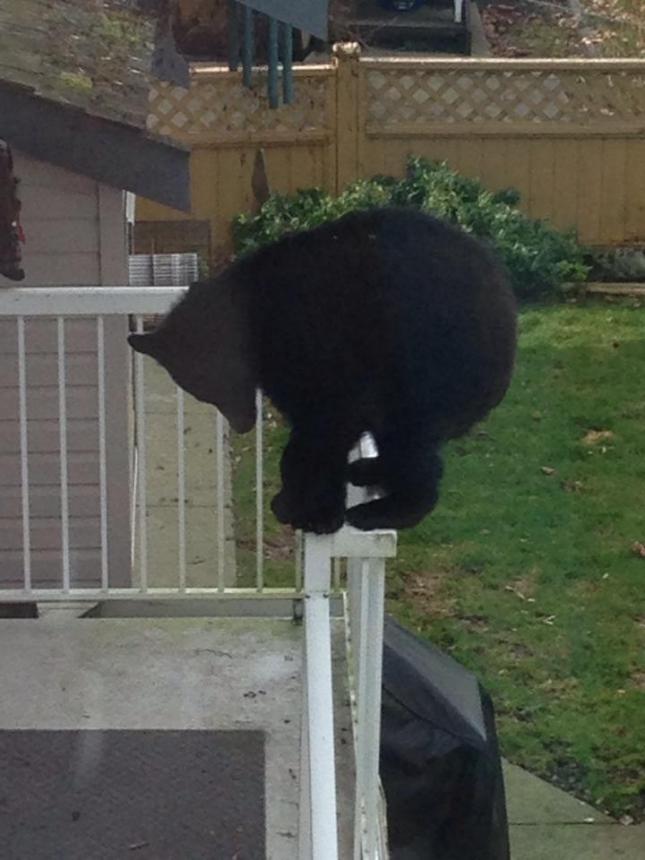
(223, 109)
(540, 96)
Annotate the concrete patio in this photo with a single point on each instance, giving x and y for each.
(62, 672)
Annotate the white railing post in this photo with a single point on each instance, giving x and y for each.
(368, 681)
(366, 553)
(366, 612)
(318, 806)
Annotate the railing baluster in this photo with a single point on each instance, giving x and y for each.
(259, 492)
(221, 524)
(140, 424)
(318, 692)
(134, 495)
(64, 470)
(100, 357)
(298, 551)
(374, 598)
(24, 455)
(354, 599)
(360, 642)
(181, 489)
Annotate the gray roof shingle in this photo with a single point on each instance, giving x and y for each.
(95, 57)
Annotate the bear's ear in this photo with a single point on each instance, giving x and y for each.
(147, 344)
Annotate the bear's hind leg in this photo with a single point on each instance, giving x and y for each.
(409, 471)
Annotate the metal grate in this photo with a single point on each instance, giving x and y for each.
(163, 270)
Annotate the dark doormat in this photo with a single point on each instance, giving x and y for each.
(132, 795)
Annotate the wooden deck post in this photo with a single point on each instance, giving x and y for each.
(346, 60)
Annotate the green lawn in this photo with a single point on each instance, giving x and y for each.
(526, 572)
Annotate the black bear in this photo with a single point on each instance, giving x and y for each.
(386, 321)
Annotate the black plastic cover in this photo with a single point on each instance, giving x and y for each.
(440, 760)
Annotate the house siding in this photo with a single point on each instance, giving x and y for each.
(75, 235)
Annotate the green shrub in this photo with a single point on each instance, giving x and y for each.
(539, 258)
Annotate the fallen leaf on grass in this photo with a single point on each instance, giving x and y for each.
(427, 592)
(638, 549)
(547, 470)
(638, 680)
(595, 436)
(572, 486)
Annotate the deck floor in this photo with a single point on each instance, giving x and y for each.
(63, 672)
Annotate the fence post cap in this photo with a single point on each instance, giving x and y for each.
(346, 51)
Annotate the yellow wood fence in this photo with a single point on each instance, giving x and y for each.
(568, 134)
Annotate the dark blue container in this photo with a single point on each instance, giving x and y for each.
(402, 5)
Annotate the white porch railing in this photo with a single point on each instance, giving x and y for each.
(365, 553)
(314, 582)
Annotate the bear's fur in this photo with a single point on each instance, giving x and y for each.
(386, 321)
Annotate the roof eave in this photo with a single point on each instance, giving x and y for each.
(110, 152)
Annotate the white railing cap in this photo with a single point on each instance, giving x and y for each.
(87, 301)
(349, 542)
